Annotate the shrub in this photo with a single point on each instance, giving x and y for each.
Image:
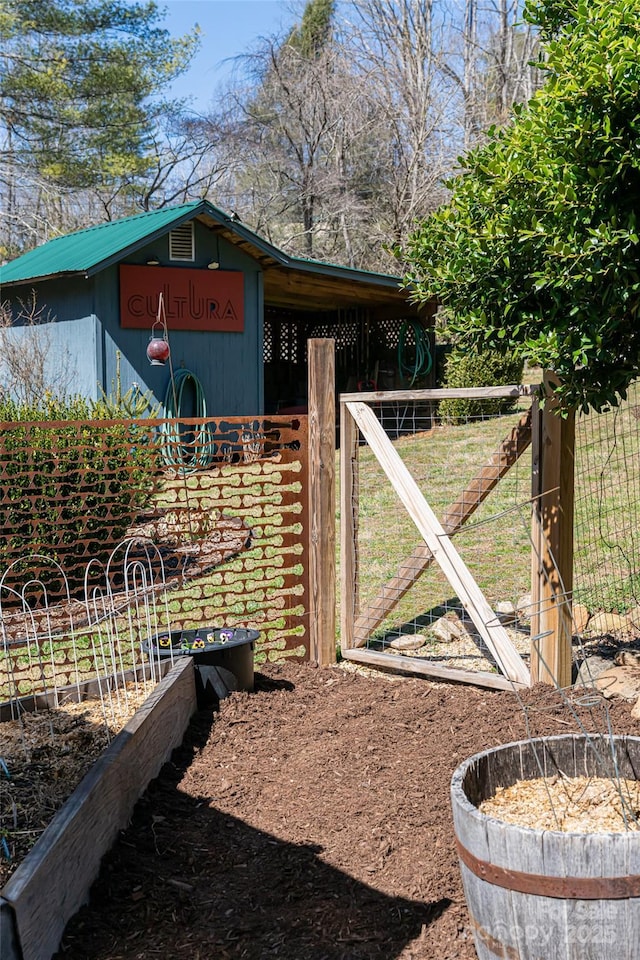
(471, 368)
(31, 363)
(537, 252)
(70, 483)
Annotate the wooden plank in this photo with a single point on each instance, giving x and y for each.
(440, 545)
(445, 393)
(485, 905)
(523, 847)
(625, 947)
(349, 502)
(581, 857)
(428, 668)
(553, 540)
(509, 451)
(536, 534)
(9, 945)
(301, 289)
(53, 880)
(322, 500)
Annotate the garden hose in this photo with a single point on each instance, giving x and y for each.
(200, 450)
(423, 361)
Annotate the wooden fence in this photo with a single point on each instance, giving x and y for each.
(551, 442)
(243, 510)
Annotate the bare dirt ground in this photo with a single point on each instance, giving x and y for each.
(309, 820)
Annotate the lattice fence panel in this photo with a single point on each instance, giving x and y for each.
(224, 502)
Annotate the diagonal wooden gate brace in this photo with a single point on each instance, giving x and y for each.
(509, 451)
(439, 545)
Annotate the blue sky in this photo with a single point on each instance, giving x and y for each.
(229, 27)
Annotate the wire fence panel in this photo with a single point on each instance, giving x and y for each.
(607, 518)
(466, 461)
(401, 603)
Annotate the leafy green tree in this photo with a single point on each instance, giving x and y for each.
(81, 84)
(537, 254)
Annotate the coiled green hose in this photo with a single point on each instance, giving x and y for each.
(423, 361)
(200, 451)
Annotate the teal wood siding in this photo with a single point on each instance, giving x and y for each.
(86, 327)
(68, 348)
(229, 365)
(69, 340)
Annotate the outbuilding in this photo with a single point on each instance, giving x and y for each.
(236, 311)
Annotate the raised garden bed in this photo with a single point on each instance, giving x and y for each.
(54, 879)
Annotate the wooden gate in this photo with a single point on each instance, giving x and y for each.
(358, 418)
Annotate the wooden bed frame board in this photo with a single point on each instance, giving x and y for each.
(54, 879)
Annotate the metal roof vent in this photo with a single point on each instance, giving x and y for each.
(182, 243)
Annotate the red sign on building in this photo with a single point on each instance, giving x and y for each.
(193, 299)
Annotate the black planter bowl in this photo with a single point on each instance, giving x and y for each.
(222, 657)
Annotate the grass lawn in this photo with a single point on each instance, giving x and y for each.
(494, 544)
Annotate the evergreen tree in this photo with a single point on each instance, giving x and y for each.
(80, 86)
(310, 38)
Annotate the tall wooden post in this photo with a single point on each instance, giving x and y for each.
(349, 481)
(553, 448)
(322, 500)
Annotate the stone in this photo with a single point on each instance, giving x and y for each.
(408, 641)
(506, 611)
(448, 629)
(580, 618)
(523, 607)
(623, 682)
(590, 668)
(603, 623)
(505, 606)
(627, 658)
(633, 620)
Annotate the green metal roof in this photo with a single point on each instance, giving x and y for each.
(95, 248)
(87, 251)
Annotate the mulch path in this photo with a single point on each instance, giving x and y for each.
(309, 820)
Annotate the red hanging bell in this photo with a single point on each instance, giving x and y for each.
(158, 346)
(158, 351)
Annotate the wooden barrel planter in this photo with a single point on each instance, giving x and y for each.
(543, 894)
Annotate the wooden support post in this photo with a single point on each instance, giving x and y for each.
(349, 501)
(553, 447)
(322, 501)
